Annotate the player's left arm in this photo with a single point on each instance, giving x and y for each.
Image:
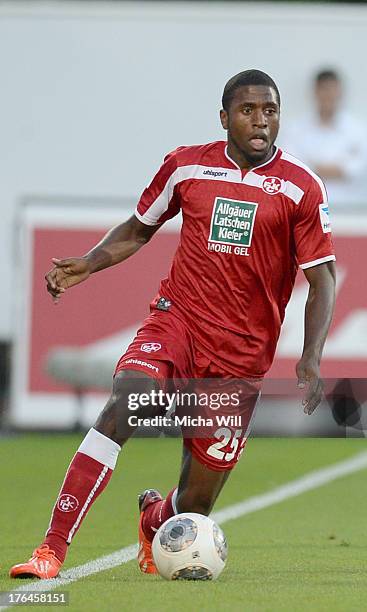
(318, 315)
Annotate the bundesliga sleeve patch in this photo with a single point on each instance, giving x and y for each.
(324, 218)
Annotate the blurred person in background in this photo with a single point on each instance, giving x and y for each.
(332, 142)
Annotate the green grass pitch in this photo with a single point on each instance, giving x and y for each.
(306, 553)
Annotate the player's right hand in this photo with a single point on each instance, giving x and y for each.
(65, 274)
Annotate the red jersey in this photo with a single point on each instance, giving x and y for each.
(244, 234)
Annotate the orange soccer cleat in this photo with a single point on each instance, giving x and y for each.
(43, 564)
(145, 558)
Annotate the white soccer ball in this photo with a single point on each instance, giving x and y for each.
(189, 546)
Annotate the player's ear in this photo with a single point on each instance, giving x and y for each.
(224, 119)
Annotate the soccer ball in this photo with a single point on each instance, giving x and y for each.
(189, 546)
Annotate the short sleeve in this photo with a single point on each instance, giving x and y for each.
(159, 201)
(312, 230)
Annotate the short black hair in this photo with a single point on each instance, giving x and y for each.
(247, 77)
(328, 74)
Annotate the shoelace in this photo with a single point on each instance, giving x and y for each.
(43, 552)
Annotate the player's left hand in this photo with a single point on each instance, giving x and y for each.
(308, 373)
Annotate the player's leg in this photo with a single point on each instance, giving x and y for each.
(199, 486)
(197, 491)
(137, 371)
(88, 474)
(113, 421)
(206, 464)
(208, 461)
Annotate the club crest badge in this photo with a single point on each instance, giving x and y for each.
(150, 347)
(272, 185)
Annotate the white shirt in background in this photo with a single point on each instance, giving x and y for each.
(342, 143)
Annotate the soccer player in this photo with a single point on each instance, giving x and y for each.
(252, 214)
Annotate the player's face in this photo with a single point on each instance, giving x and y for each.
(328, 94)
(252, 122)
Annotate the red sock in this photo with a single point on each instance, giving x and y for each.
(157, 513)
(88, 475)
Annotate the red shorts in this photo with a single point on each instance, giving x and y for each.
(165, 349)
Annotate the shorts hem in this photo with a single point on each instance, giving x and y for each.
(136, 367)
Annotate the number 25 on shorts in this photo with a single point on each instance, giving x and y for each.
(225, 436)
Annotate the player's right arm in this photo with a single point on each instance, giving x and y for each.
(157, 204)
(117, 245)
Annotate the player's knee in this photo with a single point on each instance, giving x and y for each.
(128, 388)
(195, 500)
(114, 420)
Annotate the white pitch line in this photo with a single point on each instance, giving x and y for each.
(81, 571)
(308, 482)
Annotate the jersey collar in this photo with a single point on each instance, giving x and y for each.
(274, 158)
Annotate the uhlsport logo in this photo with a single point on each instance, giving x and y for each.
(150, 347)
(214, 173)
(67, 503)
(145, 364)
(272, 185)
(232, 222)
(324, 218)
